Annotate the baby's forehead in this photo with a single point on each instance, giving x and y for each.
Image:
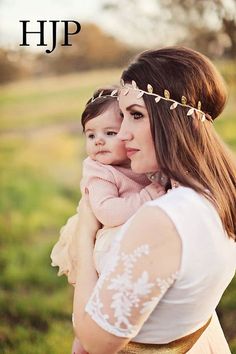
(110, 118)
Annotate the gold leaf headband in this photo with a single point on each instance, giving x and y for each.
(114, 93)
(166, 97)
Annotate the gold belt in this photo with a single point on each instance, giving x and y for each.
(178, 346)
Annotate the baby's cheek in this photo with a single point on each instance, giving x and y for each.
(89, 149)
(123, 154)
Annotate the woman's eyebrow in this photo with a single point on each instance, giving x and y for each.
(133, 105)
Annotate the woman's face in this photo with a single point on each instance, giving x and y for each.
(136, 133)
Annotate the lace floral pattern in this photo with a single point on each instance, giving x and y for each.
(124, 297)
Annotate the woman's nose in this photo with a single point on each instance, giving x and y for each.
(124, 134)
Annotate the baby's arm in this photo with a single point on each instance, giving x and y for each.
(111, 209)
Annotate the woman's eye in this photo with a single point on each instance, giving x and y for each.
(111, 133)
(136, 115)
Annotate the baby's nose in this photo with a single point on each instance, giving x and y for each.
(99, 141)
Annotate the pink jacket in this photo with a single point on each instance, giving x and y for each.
(115, 192)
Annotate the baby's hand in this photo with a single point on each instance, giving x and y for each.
(77, 347)
(155, 190)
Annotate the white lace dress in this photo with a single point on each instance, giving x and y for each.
(135, 297)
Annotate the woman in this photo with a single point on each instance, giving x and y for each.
(172, 261)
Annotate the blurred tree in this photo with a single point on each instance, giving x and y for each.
(91, 48)
(209, 25)
(9, 70)
(15, 64)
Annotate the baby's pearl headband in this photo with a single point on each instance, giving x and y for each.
(166, 97)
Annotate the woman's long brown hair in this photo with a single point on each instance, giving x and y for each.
(188, 150)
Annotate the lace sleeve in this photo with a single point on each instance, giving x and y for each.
(135, 278)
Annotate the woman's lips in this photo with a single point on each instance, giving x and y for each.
(131, 152)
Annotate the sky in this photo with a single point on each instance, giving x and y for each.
(11, 11)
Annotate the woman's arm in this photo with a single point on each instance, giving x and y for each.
(85, 328)
(149, 239)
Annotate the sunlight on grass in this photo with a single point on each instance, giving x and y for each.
(52, 100)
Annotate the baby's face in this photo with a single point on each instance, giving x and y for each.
(102, 144)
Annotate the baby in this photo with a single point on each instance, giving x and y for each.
(115, 192)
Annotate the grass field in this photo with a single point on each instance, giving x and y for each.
(41, 148)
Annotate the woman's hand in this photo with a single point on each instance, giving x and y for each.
(84, 237)
(155, 189)
(88, 224)
(77, 347)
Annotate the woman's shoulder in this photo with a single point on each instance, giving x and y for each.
(178, 206)
(157, 214)
(189, 209)
(187, 202)
(193, 215)
(181, 197)
(152, 225)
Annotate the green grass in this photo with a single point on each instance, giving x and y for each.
(41, 149)
(45, 101)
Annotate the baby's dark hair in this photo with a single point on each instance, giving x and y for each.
(96, 105)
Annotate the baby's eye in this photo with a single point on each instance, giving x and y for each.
(136, 115)
(90, 136)
(111, 133)
(121, 114)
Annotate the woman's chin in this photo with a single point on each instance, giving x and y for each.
(137, 168)
(143, 167)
